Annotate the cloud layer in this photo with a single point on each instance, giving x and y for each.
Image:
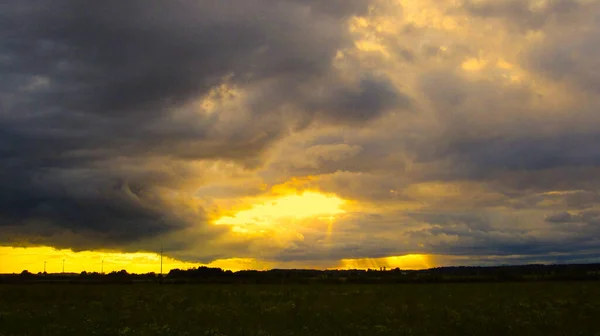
(454, 128)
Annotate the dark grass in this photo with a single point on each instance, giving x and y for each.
(435, 309)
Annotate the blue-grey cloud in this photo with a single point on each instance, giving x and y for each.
(98, 122)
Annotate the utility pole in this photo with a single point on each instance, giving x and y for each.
(63, 265)
(161, 253)
(44, 267)
(102, 268)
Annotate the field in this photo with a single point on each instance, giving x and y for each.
(435, 309)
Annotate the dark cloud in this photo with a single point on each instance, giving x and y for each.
(356, 105)
(561, 217)
(590, 217)
(582, 199)
(488, 130)
(100, 122)
(526, 197)
(527, 14)
(569, 150)
(570, 54)
(459, 238)
(473, 221)
(583, 257)
(484, 236)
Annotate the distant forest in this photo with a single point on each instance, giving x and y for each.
(207, 275)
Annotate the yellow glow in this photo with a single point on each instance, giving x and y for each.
(366, 45)
(306, 205)
(279, 221)
(428, 14)
(408, 262)
(503, 64)
(429, 190)
(561, 192)
(358, 22)
(474, 64)
(17, 259)
(293, 185)
(449, 23)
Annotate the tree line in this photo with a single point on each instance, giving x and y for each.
(208, 275)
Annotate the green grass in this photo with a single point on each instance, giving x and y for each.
(435, 309)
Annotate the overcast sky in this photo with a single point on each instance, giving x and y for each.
(458, 129)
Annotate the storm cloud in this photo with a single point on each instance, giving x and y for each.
(100, 117)
(465, 129)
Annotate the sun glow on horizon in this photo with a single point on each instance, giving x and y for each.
(34, 259)
(409, 262)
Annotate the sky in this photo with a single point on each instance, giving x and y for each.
(298, 133)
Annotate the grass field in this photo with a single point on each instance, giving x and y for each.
(434, 309)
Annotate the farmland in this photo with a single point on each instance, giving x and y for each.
(537, 308)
